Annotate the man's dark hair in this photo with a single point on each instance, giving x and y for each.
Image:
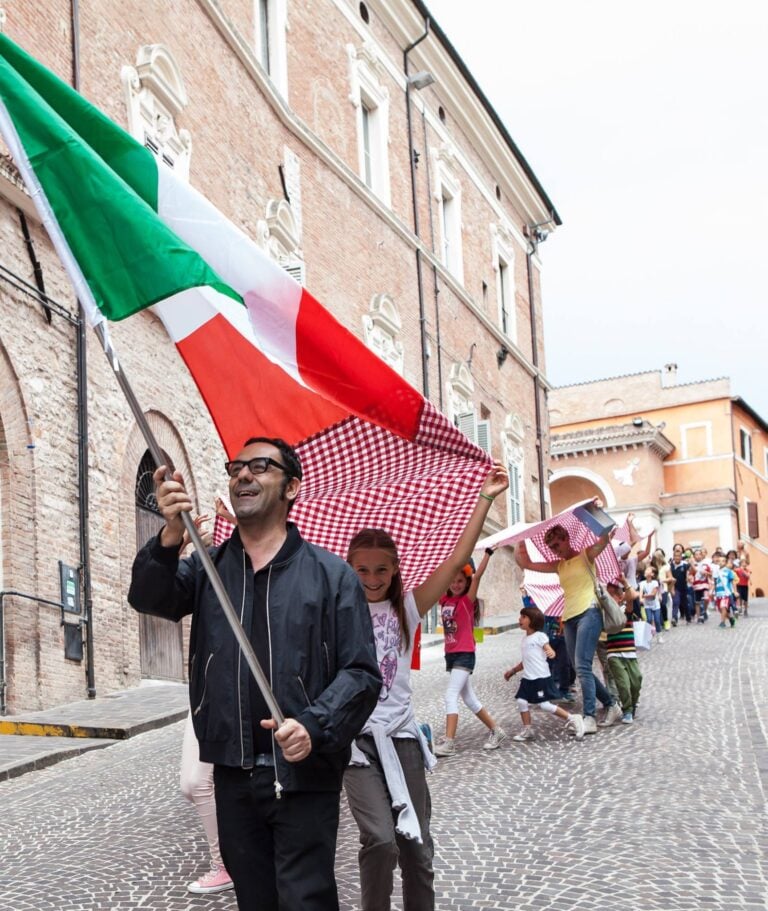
(289, 458)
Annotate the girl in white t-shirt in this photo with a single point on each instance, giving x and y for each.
(537, 686)
(385, 783)
(650, 593)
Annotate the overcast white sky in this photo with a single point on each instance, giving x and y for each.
(647, 126)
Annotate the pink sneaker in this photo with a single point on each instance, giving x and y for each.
(215, 880)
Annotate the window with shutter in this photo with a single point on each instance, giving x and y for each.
(515, 500)
(296, 270)
(483, 438)
(467, 424)
(753, 528)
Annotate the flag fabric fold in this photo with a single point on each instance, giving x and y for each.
(267, 358)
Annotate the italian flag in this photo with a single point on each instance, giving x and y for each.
(267, 358)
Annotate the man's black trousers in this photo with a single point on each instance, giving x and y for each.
(279, 853)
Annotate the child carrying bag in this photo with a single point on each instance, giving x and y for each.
(643, 635)
(614, 618)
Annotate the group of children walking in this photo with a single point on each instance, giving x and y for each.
(386, 783)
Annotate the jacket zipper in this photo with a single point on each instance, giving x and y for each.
(303, 689)
(205, 684)
(239, 659)
(278, 786)
(327, 663)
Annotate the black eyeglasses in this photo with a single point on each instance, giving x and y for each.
(255, 466)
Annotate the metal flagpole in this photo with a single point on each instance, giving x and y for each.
(189, 525)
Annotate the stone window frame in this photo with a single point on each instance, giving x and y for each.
(382, 325)
(155, 96)
(512, 439)
(462, 411)
(279, 235)
(367, 90)
(447, 185)
(745, 436)
(277, 45)
(503, 263)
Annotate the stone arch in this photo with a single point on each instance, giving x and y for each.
(17, 464)
(461, 390)
(381, 326)
(17, 526)
(570, 485)
(155, 95)
(282, 226)
(514, 427)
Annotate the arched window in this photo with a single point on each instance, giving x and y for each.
(382, 325)
(155, 96)
(281, 238)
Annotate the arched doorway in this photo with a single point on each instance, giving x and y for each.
(567, 488)
(160, 641)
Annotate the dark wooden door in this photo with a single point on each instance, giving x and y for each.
(160, 641)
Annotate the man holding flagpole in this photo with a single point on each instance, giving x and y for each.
(277, 787)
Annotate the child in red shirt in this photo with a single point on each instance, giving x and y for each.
(457, 611)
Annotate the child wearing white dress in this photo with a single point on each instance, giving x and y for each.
(537, 686)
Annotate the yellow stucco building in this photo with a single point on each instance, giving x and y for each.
(690, 460)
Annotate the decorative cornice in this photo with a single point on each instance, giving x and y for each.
(12, 187)
(614, 437)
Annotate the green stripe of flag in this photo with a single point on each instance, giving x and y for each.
(102, 188)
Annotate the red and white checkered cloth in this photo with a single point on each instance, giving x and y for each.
(545, 588)
(622, 532)
(359, 475)
(222, 529)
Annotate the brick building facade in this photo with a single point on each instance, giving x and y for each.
(690, 460)
(292, 117)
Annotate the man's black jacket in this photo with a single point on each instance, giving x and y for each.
(324, 668)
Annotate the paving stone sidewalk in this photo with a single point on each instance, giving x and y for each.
(116, 716)
(667, 814)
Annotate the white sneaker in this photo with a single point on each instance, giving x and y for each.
(576, 724)
(446, 747)
(612, 714)
(525, 734)
(660, 638)
(494, 739)
(589, 725)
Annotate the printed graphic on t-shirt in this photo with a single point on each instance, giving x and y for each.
(447, 615)
(386, 632)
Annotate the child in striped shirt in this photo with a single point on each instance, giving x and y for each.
(622, 656)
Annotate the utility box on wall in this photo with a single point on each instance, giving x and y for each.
(69, 579)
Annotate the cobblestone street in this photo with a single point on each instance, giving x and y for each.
(668, 813)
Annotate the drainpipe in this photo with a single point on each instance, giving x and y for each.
(82, 423)
(435, 281)
(37, 269)
(533, 242)
(419, 276)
